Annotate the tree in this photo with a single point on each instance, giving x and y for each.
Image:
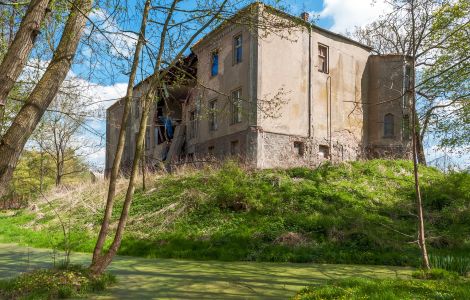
(440, 52)
(59, 134)
(425, 32)
(15, 138)
(20, 48)
(175, 37)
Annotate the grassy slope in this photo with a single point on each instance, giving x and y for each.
(359, 212)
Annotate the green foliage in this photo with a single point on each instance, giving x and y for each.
(435, 274)
(454, 263)
(359, 212)
(389, 289)
(74, 281)
(35, 173)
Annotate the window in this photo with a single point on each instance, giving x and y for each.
(147, 139)
(407, 78)
(213, 115)
(324, 151)
(237, 49)
(406, 86)
(192, 124)
(299, 148)
(389, 124)
(214, 63)
(406, 127)
(137, 110)
(236, 106)
(323, 58)
(234, 148)
(210, 150)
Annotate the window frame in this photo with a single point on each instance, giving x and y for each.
(237, 60)
(389, 126)
(193, 123)
(236, 107)
(326, 59)
(212, 110)
(213, 53)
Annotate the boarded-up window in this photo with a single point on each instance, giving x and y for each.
(236, 106)
(389, 125)
(322, 58)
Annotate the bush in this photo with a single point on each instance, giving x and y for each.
(390, 289)
(59, 283)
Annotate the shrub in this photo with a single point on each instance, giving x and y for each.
(59, 283)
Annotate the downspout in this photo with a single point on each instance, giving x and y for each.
(310, 81)
(328, 114)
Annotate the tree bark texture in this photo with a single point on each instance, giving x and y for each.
(13, 141)
(20, 48)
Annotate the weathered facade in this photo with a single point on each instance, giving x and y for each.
(282, 97)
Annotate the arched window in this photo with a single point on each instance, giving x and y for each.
(389, 125)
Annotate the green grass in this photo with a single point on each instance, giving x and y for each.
(359, 212)
(141, 278)
(57, 283)
(387, 289)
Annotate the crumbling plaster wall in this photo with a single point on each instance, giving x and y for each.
(331, 113)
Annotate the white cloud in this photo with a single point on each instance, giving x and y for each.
(347, 14)
(123, 43)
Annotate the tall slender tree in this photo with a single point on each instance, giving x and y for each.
(15, 138)
(20, 48)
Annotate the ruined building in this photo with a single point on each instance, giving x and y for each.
(290, 96)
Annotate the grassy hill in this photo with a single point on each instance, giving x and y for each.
(360, 212)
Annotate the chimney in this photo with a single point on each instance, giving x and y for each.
(305, 16)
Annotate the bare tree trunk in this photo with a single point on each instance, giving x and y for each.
(144, 169)
(102, 262)
(121, 143)
(18, 52)
(13, 141)
(419, 202)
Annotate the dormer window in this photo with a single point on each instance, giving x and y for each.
(214, 63)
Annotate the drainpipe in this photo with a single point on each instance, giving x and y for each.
(328, 115)
(310, 81)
